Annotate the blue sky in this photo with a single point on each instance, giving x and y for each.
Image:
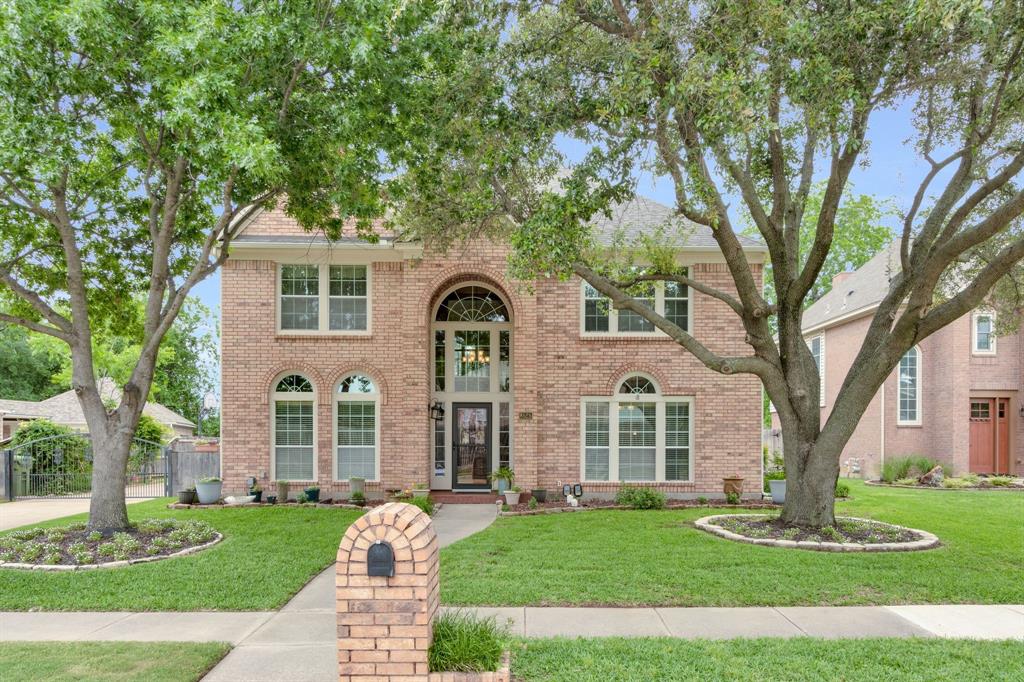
(893, 170)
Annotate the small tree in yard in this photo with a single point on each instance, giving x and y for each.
(753, 104)
(137, 137)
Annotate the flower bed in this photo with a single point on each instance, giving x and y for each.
(965, 482)
(524, 509)
(75, 547)
(848, 535)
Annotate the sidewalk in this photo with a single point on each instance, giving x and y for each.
(36, 510)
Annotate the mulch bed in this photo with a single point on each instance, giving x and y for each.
(77, 546)
(550, 507)
(845, 531)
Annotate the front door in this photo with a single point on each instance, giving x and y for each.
(982, 444)
(471, 445)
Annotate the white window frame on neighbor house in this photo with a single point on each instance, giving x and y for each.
(293, 396)
(820, 359)
(614, 403)
(324, 301)
(339, 397)
(976, 316)
(613, 314)
(918, 389)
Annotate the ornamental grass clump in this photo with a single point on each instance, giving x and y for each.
(465, 643)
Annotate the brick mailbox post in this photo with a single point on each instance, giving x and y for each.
(387, 595)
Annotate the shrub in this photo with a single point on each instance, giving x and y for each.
(732, 498)
(533, 504)
(956, 483)
(424, 503)
(1000, 481)
(906, 481)
(778, 475)
(360, 498)
(702, 500)
(465, 643)
(640, 498)
(842, 489)
(910, 467)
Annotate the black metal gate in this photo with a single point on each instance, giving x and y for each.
(61, 466)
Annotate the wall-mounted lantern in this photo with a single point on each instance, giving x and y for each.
(380, 560)
(577, 491)
(566, 490)
(437, 411)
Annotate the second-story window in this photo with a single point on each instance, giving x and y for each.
(671, 300)
(324, 298)
(817, 345)
(984, 334)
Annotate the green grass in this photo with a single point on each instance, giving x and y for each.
(108, 661)
(465, 643)
(266, 556)
(626, 558)
(763, 660)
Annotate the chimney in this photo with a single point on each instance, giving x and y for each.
(840, 278)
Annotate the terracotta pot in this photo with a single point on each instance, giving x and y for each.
(732, 484)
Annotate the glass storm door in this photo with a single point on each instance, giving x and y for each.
(471, 445)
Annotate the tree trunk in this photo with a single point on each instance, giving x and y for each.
(810, 485)
(107, 509)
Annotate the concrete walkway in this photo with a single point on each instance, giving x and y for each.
(37, 510)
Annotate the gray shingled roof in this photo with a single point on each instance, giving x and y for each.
(862, 290)
(20, 408)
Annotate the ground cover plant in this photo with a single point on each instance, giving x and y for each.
(109, 661)
(465, 643)
(626, 557)
(763, 660)
(266, 556)
(76, 545)
(845, 530)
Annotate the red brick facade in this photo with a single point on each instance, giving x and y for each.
(553, 366)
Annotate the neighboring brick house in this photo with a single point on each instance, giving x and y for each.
(403, 366)
(955, 397)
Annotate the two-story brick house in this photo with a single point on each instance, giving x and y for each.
(955, 397)
(402, 366)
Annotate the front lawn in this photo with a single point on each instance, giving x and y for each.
(625, 558)
(266, 556)
(764, 660)
(109, 661)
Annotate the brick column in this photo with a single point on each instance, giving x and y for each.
(385, 624)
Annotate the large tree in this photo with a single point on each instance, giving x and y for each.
(745, 105)
(136, 138)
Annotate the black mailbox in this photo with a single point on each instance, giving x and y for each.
(380, 560)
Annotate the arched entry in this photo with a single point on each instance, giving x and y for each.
(472, 380)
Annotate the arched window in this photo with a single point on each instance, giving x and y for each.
(909, 386)
(638, 385)
(472, 304)
(356, 427)
(294, 429)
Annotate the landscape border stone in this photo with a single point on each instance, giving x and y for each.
(879, 484)
(112, 564)
(925, 541)
(620, 507)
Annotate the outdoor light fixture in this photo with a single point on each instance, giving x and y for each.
(566, 490)
(437, 411)
(577, 491)
(1022, 411)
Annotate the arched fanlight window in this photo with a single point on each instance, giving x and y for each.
(472, 304)
(357, 383)
(638, 385)
(294, 383)
(294, 428)
(357, 406)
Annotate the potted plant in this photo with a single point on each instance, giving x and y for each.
(271, 499)
(540, 494)
(512, 495)
(420, 490)
(732, 484)
(282, 491)
(502, 479)
(187, 496)
(257, 493)
(312, 493)
(357, 485)
(208, 489)
(776, 483)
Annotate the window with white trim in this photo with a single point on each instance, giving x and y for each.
(323, 298)
(294, 428)
(671, 300)
(356, 409)
(983, 333)
(636, 435)
(909, 387)
(817, 345)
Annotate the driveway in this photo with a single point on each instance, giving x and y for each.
(26, 512)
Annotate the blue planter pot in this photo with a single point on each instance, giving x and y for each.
(208, 493)
(778, 491)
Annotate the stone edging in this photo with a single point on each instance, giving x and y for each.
(502, 674)
(114, 564)
(619, 507)
(265, 505)
(878, 484)
(926, 541)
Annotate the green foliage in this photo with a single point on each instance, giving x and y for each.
(38, 429)
(842, 489)
(913, 466)
(956, 483)
(777, 475)
(638, 497)
(532, 504)
(1000, 481)
(465, 643)
(357, 498)
(702, 500)
(732, 498)
(25, 369)
(151, 430)
(424, 503)
(503, 473)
